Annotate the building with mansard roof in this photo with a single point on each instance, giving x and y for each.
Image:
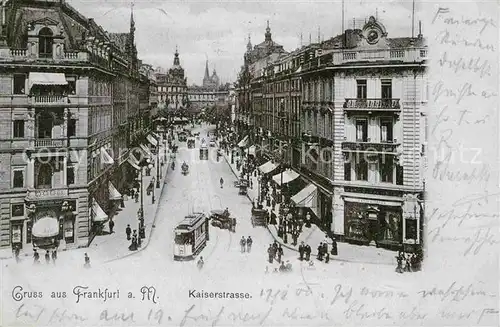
(344, 120)
(72, 102)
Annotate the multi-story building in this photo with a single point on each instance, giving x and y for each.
(201, 98)
(172, 86)
(68, 97)
(362, 108)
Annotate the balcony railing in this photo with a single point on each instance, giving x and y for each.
(47, 193)
(372, 104)
(50, 143)
(369, 147)
(50, 99)
(405, 55)
(24, 55)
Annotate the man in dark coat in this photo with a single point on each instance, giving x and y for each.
(270, 253)
(301, 251)
(280, 252)
(47, 257)
(243, 243)
(334, 247)
(111, 226)
(128, 231)
(320, 251)
(249, 244)
(36, 257)
(307, 251)
(54, 256)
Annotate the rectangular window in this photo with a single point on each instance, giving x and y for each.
(361, 89)
(70, 175)
(386, 165)
(361, 130)
(361, 169)
(72, 127)
(399, 175)
(18, 128)
(19, 83)
(386, 131)
(386, 89)
(18, 178)
(347, 171)
(17, 210)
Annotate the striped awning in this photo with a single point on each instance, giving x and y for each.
(133, 162)
(287, 176)
(152, 140)
(146, 151)
(267, 167)
(105, 157)
(98, 215)
(306, 197)
(113, 192)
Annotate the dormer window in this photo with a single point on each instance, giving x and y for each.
(45, 37)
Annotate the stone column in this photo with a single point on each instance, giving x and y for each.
(30, 174)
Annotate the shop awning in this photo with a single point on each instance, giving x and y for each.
(46, 79)
(99, 214)
(106, 158)
(156, 136)
(267, 167)
(306, 197)
(113, 192)
(45, 227)
(243, 143)
(152, 140)
(251, 150)
(288, 176)
(133, 162)
(146, 151)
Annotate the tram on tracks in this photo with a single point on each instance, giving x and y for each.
(191, 236)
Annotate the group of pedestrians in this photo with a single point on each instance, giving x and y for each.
(132, 236)
(274, 252)
(246, 244)
(36, 256)
(408, 262)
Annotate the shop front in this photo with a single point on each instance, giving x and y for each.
(373, 222)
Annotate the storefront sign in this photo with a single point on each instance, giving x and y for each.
(47, 193)
(16, 234)
(373, 201)
(68, 232)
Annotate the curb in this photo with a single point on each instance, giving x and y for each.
(236, 175)
(148, 236)
(277, 239)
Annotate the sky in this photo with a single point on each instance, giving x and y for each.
(219, 30)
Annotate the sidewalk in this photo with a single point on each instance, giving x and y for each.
(313, 236)
(110, 247)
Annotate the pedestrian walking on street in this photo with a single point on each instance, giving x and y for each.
(47, 257)
(320, 252)
(270, 253)
(111, 226)
(54, 256)
(87, 261)
(242, 244)
(200, 263)
(301, 251)
(128, 231)
(280, 252)
(334, 246)
(325, 248)
(249, 244)
(136, 196)
(36, 257)
(307, 251)
(221, 183)
(327, 257)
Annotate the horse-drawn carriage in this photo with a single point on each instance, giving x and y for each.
(185, 168)
(242, 185)
(223, 220)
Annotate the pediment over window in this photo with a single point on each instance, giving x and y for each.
(46, 21)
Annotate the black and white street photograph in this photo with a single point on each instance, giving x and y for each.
(270, 163)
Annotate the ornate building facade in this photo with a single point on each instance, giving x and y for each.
(172, 86)
(210, 82)
(70, 103)
(348, 115)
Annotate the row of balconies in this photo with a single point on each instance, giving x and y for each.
(67, 57)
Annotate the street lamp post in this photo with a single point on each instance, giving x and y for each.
(158, 169)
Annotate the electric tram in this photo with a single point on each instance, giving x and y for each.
(203, 152)
(191, 236)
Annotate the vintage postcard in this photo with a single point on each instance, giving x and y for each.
(249, 163)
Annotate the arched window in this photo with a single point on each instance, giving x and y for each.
(44, 178)
(45, 41)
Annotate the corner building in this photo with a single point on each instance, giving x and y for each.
(360, 100)
(69, 108)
